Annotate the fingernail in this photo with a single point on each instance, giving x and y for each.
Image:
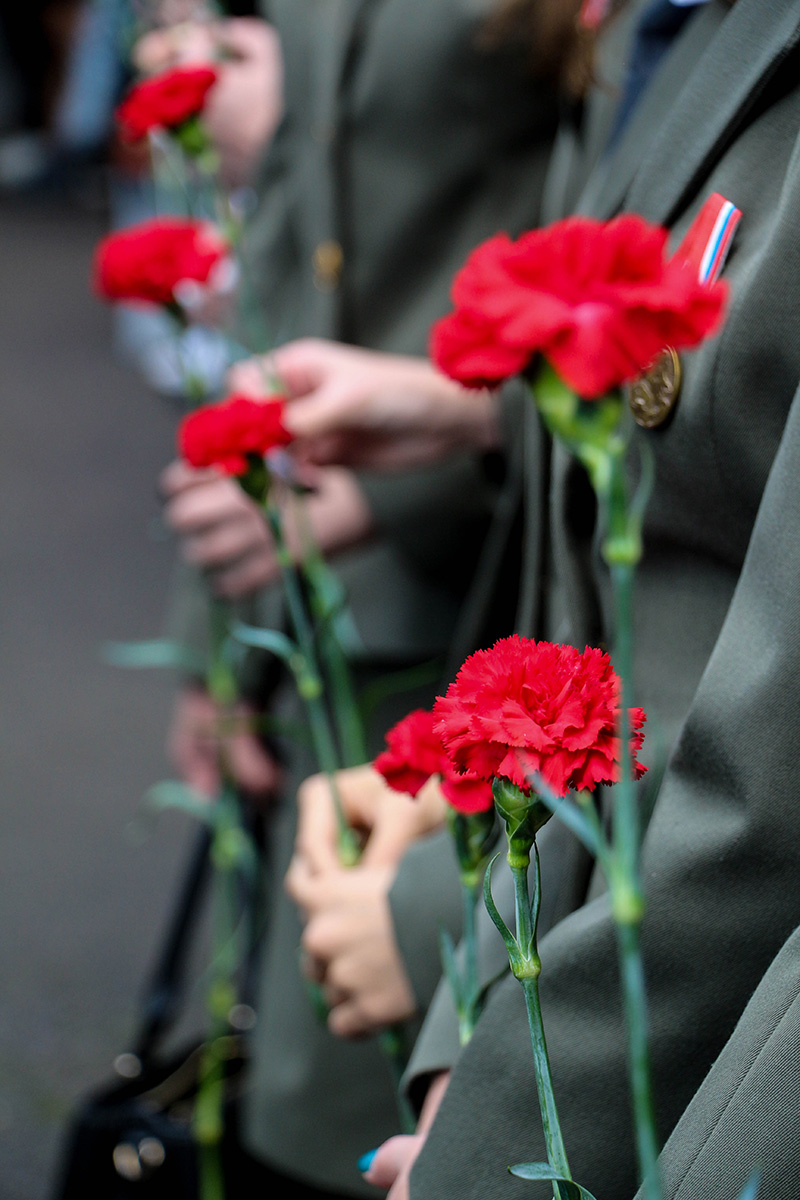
(366, 1161)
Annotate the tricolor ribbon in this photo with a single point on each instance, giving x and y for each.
(708, 241)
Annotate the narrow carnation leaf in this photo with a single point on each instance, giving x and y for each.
(569, 813)
(173, 795)
(267, 639)
(751, 1188)
(568, 1187)
(450, 967)
(159, 652)
(491, 908)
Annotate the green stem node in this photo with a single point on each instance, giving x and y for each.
(527, 971)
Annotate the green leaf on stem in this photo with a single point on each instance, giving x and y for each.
(450, 967)
(273, 640)
(277, 643)
(505, 933)
(567, 1187)
(573, 817)
(173, 795)
(158, 652)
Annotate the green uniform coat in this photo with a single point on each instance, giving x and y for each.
(717, 664)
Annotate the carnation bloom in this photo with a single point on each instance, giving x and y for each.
(598, 299)
(527, 706)
(164, 102)
(148, 261)
(415, 752)
(227, 434)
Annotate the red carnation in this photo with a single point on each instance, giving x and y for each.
(415, 752)
(147, 262)
(598, 299)
(164, 102)
(527, 706)
(224, 435)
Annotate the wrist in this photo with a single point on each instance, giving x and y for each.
(476, 413)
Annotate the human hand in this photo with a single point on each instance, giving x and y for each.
(350, 946)
(196, 742)
(389, 821)
(223, 531)
(391, 1165)
(244, 106)
(385, 411)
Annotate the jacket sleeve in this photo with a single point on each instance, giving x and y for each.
(425, 897)
(720, 873)
(746, 1112)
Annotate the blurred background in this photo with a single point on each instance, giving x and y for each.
(84, 887)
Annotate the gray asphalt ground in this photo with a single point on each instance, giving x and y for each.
(81, 899)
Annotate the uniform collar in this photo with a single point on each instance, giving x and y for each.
(718, 67)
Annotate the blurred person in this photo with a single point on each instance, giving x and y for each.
(407, 137)
(35, 38)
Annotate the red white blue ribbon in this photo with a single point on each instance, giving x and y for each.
(710, 237)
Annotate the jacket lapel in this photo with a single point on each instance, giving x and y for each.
(336, 32)
(718, 69)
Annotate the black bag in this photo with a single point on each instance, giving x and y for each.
(133, 1138)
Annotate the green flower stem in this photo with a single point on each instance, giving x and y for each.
(346, 711)
(208, 1122)
(527, 969)
(621, 552)
(468, 1017)
(311, 688)
(639, 1060)
(393, 1045)
(211, 1180)
(392, 1041)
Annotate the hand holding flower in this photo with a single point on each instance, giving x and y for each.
(387, 823)
(350, 946)
(380, 411)
(223, 531)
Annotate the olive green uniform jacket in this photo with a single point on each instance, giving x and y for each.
(403, 145)
(718, 644)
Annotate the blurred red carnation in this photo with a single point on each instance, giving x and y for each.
(415, 752)
(224, 435)
(146, 262)
(164, 101)
(598, 299)
(527, 706)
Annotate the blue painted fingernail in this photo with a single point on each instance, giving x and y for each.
(366, 1161)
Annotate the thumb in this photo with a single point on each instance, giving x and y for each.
(393, 1158)
(388, 841)
(303, 365)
